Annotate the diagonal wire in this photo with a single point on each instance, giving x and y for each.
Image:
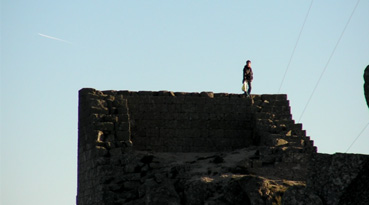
(329, 59)
(297, 41)
(357, 137)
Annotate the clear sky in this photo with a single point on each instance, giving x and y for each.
(51, 49)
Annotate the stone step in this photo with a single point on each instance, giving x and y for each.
(280, 140)
(299, 132)
(292, 139)
(277, 109)
(287, 122)
(297, 126)
(275, 103)
(263, 115)
(278, 114)
(282, 126)
(310, 143)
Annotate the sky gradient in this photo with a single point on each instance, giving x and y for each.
(51, 49)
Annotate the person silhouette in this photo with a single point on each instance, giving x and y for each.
(248, 76)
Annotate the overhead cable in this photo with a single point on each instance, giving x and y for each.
(329, 59)
(297, 41)
(357, 137)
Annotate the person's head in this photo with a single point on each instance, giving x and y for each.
(248, 63)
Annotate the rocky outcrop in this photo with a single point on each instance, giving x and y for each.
(358, 192)
(199, 178)
(333, 179)
(366, 84)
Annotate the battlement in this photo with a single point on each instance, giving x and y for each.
(114, 123)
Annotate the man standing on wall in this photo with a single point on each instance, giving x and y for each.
(247, 78)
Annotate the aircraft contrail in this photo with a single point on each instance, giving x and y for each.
(53, 38)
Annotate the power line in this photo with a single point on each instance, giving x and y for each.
(293, 51)
(357, 137)
(329, 59)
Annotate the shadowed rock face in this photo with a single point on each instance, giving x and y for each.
(366, 85)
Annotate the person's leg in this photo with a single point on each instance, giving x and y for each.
(249, 85)
(245, 88)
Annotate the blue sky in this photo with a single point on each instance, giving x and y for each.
(189, 46)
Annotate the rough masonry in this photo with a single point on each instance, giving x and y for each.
(202, 148)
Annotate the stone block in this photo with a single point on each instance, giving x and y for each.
(109, 118)
(172, 108)
(120, 101)
(281, 97)
(123, 135)
(104, 126)
(210, 101)
(198, 124)
(194, 100)
(166, 93)
(154, 115)
(234, 96)
(281, 103)
(183, 124)
(214, 116)
(145, 93)
(99, 136)
(122, 110)
(190, 133)
(123, 117)
(268, 97)
(141, 133)
(153, 132)
(297, 126)
(170, 124)
(221, 100)
(101, 151)
(85, 91)
(98, 103)
(109, 137)
(124, 92)
(122, 126)
(207, 94)
(169, 116)
(215, 124)
(167, 133)
(116, 151)
(98, 110)
(189, 107)
(179, 99)
(216, 133)
(233, 124)
(157, 141)
(221, 95)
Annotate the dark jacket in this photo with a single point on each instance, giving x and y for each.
(247, 74)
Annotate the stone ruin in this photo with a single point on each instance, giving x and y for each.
(205, 148)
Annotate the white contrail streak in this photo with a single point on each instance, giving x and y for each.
(53, 38)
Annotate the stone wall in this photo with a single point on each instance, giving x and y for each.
(116, 125)
(189, 122)
(103, 132)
